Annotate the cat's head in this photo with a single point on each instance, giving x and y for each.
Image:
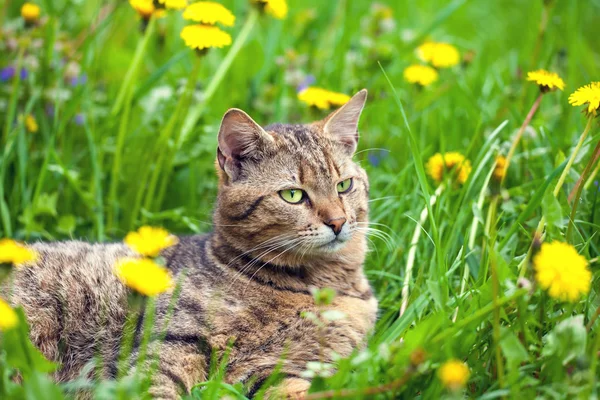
(292, 192)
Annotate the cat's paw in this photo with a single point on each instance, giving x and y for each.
(289, 389)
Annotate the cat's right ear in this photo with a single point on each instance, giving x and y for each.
(239, 138)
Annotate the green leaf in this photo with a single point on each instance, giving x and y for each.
(67, 224)
(567, 340)
(512, 348)
(552, 210)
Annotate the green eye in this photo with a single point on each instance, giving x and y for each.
(292, 195)
(344, 186)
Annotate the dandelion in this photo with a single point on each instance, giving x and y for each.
(440, 55)
(202, 37)
(322, 98)
(145, 9)
(149, 241)
(562, 271)
(276, 8)
(31, 124)
(452, 161)
(422, 74)
(144, 276)
(454, 374)
(30, 13)
(500, 168)
(208, 12)
(173, 4)
(547, 81)
(15, 253)
(8, 316)
(588, 94)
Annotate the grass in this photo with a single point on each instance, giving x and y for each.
(134, 144)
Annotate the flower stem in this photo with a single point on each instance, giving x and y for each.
(565, 172)
(592, 177)
(131, 73)
(517, 139)
(125, 96)
(472, 237)
(195, 114)
(540, 228)
(161, 149)
(579, 188)
(413, 249)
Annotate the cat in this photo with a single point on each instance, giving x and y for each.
(290, 215)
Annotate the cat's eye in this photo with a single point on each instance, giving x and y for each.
(344, 186)
(292, 195)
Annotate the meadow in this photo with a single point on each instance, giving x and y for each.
(484, 258)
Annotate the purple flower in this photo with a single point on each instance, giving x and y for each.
(308, 80)
(50, 110)
(79, 80)
(79, 119)
(7, 73)
(375, 156)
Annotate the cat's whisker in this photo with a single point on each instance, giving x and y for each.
(383, 198)
(269, 261)
(262, 245)
(383, 236)
(371, 149)
(258, 258)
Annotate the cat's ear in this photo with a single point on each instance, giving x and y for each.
(239, 138)
(342, 124)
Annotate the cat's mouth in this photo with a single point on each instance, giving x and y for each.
(333, 245)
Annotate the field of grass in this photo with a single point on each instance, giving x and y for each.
(126, 136)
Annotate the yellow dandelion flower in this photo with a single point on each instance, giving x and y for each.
(588, 94)
(31, 124)
(204, 37)
(321, 98)
(144, 276)
(454, 374)
(208, 12)
(452, 161)
(546, 80)
(15, 253)
(276, 8)
(424, 75)
(562, 271)
(8, 316)
(499, 169)
(440, 55)
(146, 9)
(173, 4)
(149, 241)
(30, 13)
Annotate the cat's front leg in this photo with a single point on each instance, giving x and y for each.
(181, 365)
(289, 389)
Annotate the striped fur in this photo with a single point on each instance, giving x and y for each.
(244, 285)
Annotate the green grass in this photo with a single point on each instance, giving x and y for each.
(63, 182)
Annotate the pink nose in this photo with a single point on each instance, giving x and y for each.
(336, 224)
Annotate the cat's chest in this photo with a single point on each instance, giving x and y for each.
(265, 320)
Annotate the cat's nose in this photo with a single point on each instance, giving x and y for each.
(336, 224)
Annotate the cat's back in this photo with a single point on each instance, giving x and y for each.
(73, 301)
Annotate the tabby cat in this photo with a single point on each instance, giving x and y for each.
(290, 215)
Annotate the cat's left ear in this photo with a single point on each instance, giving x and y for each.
(342, 124)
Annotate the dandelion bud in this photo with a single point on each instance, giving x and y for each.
(30, 13)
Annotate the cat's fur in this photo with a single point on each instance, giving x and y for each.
(246, 284)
